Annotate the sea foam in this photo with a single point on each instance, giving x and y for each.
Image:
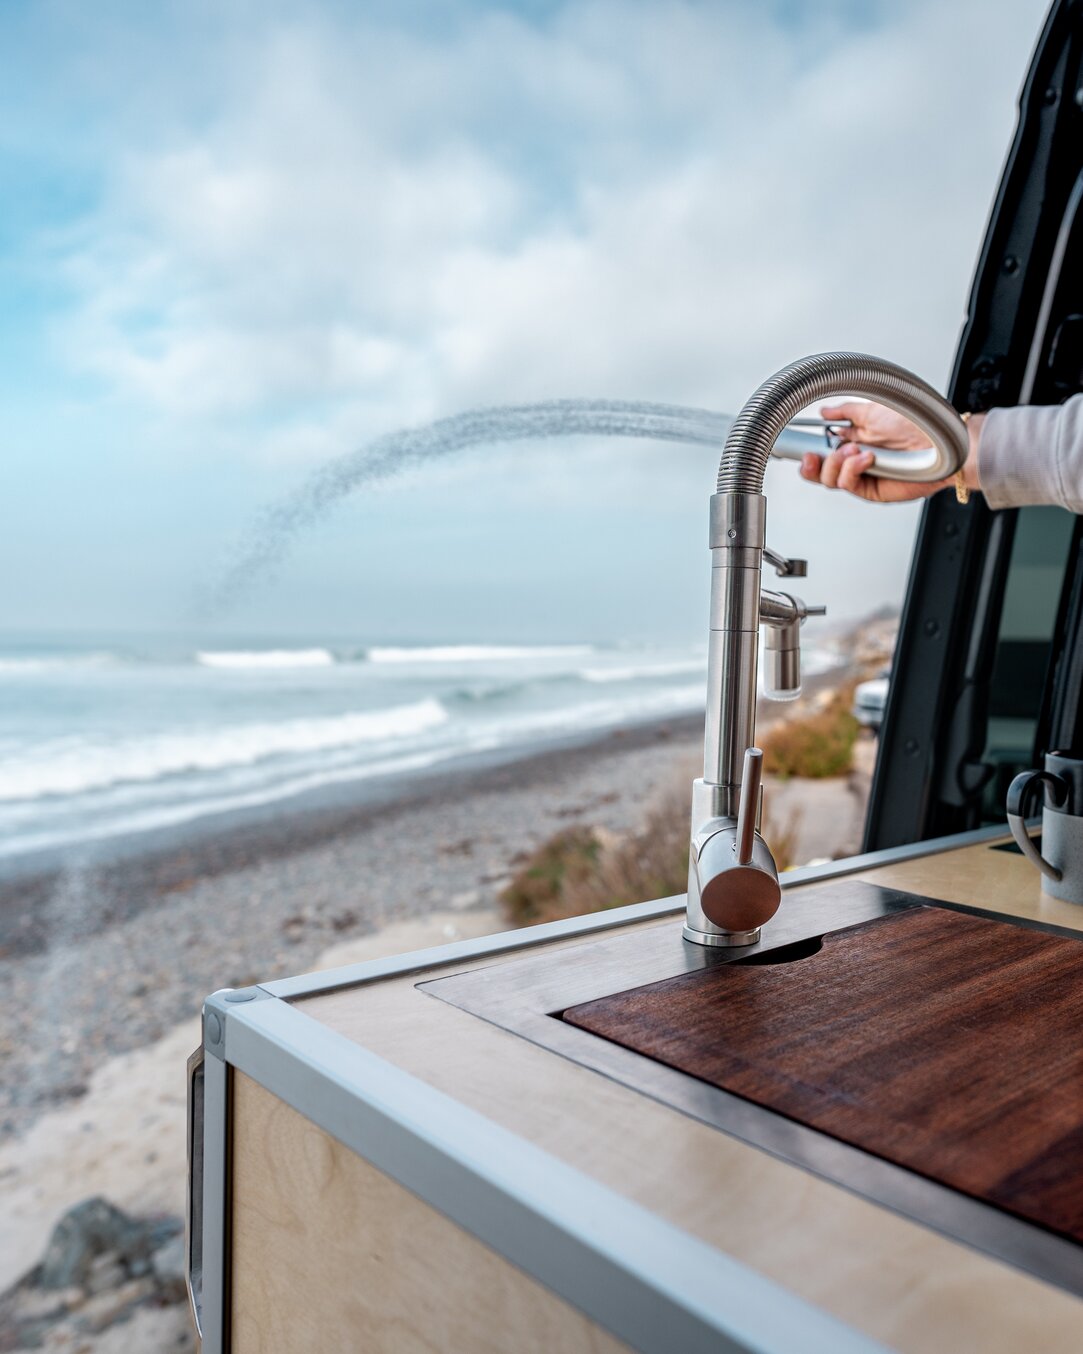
(265, 658)
(640, 671)
(476, 653)
(62, 769)
(18, 667)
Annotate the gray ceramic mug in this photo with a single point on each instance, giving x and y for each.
(1061, 857)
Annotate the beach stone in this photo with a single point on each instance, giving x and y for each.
(37, 1304)
(105, 1272)
(97, 1242)
(92, 1228)
(30, 1316)
(106, 1309)
(29, 1334)
(169, 1264)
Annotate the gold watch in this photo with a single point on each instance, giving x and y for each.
(962, 492)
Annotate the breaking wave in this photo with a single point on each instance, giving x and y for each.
(640, 671)
(64, 769)
(475, 653)
(170, 731)
(265, 658)
(18, 667)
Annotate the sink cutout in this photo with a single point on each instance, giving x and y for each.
(785, 954)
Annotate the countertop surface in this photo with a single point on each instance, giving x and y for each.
(891, 1278)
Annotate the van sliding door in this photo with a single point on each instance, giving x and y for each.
(988, 618)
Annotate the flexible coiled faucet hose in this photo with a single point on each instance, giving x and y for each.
(826, 376)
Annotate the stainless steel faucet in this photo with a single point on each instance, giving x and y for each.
(733, 883)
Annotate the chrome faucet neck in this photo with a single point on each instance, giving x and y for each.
(726, 903)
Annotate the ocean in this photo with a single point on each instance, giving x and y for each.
(106, 739)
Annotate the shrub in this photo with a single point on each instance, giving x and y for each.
(816, 745)
(536, 893)
(781, 834)
(650, 863)
(574, 872)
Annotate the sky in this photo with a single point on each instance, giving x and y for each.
(242, 238)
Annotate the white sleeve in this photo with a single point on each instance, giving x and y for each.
(1033, 454)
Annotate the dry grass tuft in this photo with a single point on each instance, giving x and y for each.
(815, 745)
(575, 871)
(650, 863)
(537, 892)
(781, 834)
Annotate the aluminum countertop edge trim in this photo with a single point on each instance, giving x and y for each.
(507, 942)
(646, 1281)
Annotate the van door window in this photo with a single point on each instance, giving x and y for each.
(1041, 550)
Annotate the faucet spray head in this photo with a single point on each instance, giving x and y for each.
(783, 616)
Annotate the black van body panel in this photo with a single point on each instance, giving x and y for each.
(1022, 342)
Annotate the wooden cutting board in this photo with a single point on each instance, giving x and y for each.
(946, 1043)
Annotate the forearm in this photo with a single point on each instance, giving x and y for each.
(1030, 454)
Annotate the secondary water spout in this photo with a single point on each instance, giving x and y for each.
(732, 879)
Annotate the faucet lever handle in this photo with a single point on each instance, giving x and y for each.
(785, 568)
(748, 806)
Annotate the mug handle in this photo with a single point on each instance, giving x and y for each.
(1018, 791)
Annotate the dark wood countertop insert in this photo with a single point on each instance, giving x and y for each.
(946, 1043)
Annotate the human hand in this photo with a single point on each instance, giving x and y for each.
(845, 467)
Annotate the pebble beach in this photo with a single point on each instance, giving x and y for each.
(106, 955)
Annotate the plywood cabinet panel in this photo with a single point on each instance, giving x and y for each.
(331, 1255)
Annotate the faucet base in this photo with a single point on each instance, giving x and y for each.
(724, 939)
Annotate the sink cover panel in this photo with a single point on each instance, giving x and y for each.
(949, 1044)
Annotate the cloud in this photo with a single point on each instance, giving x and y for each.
(656, 200)
(298, 228)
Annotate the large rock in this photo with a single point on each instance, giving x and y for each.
(169, 1265)
(97, 1228)
(114, 1306)
(99, 1267)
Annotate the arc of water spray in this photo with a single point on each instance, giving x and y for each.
(270, 536)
